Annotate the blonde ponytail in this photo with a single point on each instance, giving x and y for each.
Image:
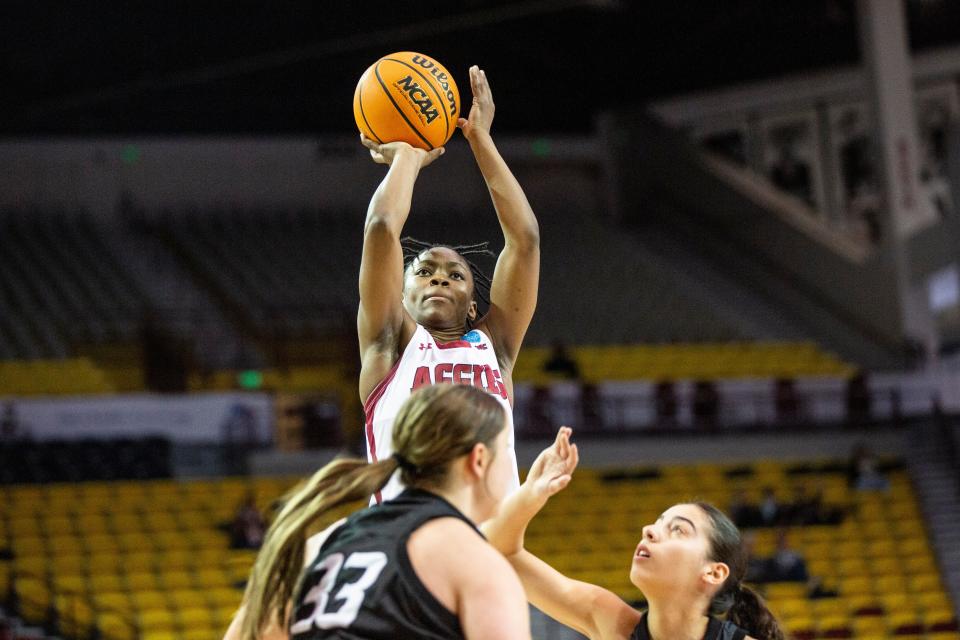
(281, 558)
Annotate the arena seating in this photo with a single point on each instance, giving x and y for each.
(268, 265)
(696, 361)
(150, 560)
(130, 559)
(59, 286)
(69, 376)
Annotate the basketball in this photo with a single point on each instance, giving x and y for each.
(408, 97)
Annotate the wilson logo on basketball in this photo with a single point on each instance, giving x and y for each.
(442, 80)
(419, 98)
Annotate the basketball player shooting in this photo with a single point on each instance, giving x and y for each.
(419, 321)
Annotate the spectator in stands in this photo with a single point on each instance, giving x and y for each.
(787, 402)
(863, 472)
(770, 510)
(591, 413)
(858, 399)
(790, 174)
(786, 564)
(706, 404)
(561, 363)
(665, 399)
(743, 513)
(804, 508)
(857, 169)
(419, 320)
(248, 527)
(9, 424)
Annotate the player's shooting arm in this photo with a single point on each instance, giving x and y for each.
(381, 264)
(513, 293)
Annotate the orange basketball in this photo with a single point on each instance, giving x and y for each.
(407, 97)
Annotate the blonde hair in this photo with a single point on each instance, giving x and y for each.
(434, 426)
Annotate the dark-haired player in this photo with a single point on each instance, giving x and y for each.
(419, 321)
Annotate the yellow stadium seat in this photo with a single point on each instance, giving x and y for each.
(885, 566)
(212, 577)
(29, 545)
(869, 626)
(176, 579)
(834, 625)
(142, 581)
(896, 601)
(202, 633)
(856, 586)
(146, 600)
(75, 615)
(194, 617)
(905, 623)
(34, 566)
(828, 607)
(116, 626)
(176, 559)
(127, 523)
(890, 584)
(104, 563)
(92, 524)
(70, 564)
(136, 541)
(70, 583)
(105, 582)
(225, 596)
(184, 598)
(925, 582)
(159, 634)
(933, 600)
(101, 543)
(942, 617)
(141, 561)
(157, 619)
(920, 564)
(112, 601)
(34, 597)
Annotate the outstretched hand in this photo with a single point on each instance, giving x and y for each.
(553, 468)
(480, 117)
(388, 151)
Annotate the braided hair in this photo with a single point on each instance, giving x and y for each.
(412, 248)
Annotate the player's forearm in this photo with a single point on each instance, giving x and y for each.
(517, 219)
(390, 204)
(507, 529)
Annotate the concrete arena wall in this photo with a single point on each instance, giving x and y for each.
(331, 173)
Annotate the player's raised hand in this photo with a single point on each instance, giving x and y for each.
(386, 153)
(480, 117)
(553, 468)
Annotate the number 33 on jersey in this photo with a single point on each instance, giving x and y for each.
(347, 586)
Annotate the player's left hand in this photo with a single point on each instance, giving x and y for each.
(553, 468)
(481, 111)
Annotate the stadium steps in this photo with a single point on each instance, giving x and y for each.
(936, 477)
(174, 298)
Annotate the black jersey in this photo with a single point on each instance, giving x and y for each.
(716, 630)
(362, 585)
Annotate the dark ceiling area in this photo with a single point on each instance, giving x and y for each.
(290, 67)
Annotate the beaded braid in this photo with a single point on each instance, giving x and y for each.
(481, 281)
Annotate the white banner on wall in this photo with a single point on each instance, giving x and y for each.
(193, 419)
